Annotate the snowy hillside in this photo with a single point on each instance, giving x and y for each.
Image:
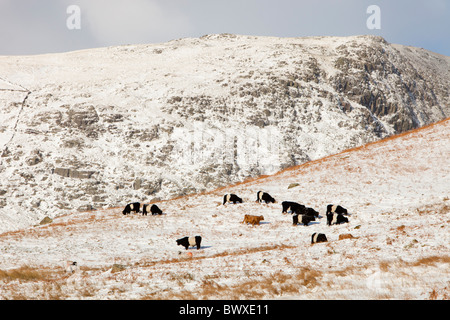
(395, 245)
(99, 128)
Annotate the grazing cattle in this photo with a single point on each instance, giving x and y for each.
(311, 212)
(294, 207)
(297, 208)
(153, 209)
(231, 198)
(264, 196)
(135, 206)
(254, 220)
(187, 242)
(336, 209)
(304, 219)
(336, 218)
(318, 237)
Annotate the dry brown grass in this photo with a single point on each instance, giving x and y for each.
(432, 260)
(183, 258)
(47, 283)
(275, 284)
(55, 227)
(442, 208)
(307, 280)
(346, 236)
(440, 294)
(53, 284)
(43, 283)
(25, 273)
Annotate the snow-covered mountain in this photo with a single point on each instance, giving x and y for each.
(395, 245)
(102, 127)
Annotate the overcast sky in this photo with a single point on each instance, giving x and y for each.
(40, 26)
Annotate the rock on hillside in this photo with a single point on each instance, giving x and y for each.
(102, 127)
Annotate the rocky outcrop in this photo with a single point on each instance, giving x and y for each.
(71, 173)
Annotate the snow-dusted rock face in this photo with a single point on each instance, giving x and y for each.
(104, 127)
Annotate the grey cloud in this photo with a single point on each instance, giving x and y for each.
(31, 26)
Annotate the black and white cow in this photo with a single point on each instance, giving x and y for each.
(135, 206)
(336, 218)
(311, 212)
(231, 198)
(318, 237)
(294, 207)
(264, 196)
(187, 242)
(333, 208)
(153, 209)
(304, 219)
